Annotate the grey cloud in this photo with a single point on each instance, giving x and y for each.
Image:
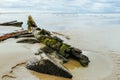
(64, 6)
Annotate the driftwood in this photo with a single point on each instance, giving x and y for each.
(45, 37)
(12, 35)
(12, 23)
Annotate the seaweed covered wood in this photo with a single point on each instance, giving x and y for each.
(45, 37)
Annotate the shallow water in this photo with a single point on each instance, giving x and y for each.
(65, 21)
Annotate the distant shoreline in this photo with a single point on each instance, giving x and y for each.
(20, 12)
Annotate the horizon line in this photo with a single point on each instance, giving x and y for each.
(49, 12)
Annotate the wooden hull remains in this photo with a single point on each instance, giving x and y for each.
(12, 23)
(44, 63)
(55, 43)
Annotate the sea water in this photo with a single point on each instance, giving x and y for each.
(96, 32)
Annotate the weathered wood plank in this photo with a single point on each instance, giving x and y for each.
(12, 23)
(12, 35)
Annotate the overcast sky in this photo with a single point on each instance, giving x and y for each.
(62, 6)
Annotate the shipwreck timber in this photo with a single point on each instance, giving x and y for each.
(55, 43)
(13, 35)
(44, 63)
(12, 23)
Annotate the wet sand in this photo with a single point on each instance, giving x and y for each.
(100, 63)
(104, 64)
(99, 68)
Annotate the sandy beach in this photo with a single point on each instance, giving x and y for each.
(23, 52)
(104, 63)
